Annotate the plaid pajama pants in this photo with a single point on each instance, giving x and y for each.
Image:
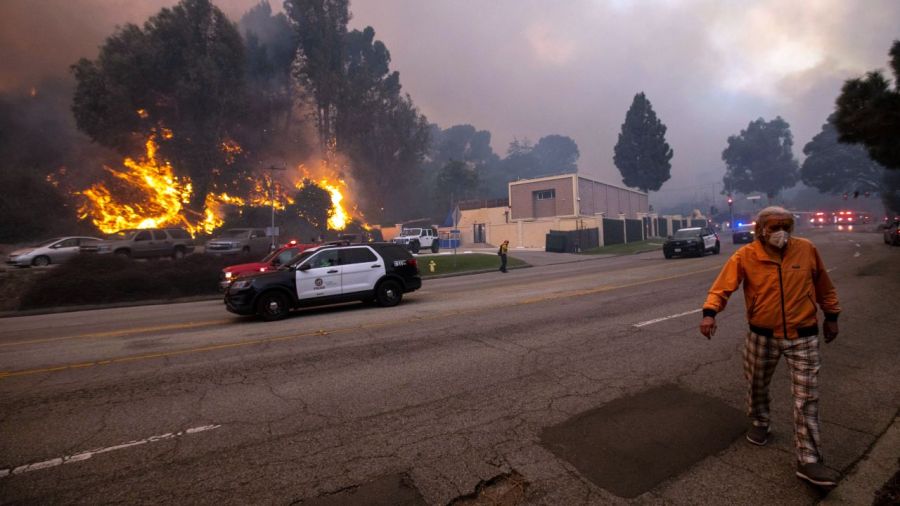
(761, 355)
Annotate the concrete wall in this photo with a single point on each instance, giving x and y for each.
(533, 233)
(524, 206)
(493, 218)
(389, 233)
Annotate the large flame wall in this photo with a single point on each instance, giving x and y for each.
(145, 193)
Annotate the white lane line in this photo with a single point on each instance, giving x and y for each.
(856, 255)
(664, 318)
(79, 457)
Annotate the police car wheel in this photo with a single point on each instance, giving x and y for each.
(272, 306)
(388, 294)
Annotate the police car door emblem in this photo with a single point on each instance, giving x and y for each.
(319, 283)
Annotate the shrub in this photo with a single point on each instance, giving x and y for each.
(101, 279)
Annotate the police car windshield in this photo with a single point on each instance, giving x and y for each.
(299, 259)
(687, 232)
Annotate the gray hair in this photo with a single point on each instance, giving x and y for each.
(771, 212)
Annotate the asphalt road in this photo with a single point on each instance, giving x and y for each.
(451, 392)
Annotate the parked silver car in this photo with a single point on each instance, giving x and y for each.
(54, 251)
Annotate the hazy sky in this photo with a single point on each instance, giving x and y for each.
(529, 68)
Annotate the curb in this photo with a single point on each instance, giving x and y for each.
(198, 298)
(871, 472)
(479, 271)
(111, 305)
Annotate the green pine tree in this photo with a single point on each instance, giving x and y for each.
(642, 154)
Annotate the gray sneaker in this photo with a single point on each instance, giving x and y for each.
(758, 435)
(817, 474)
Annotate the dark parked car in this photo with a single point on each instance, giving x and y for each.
(892, 233)
(329, 274)
(694, 241)
(743, 234)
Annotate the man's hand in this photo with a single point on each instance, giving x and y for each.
(708, 327)
(830, 329)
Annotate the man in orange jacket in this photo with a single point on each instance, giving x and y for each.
(784, 278)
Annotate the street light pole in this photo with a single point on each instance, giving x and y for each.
(273, 168)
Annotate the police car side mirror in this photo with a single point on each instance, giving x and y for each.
(304, 267)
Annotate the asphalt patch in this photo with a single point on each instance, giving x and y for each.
(632, 444)
(391, 490)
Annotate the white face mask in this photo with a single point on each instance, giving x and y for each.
(779, 239)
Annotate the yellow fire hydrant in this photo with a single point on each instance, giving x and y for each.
(431, 265)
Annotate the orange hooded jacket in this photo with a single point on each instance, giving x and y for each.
(780, 297)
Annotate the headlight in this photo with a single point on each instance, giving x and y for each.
(241, 284)
(228, 275)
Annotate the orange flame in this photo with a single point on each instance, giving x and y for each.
(148, 195)
(327, 178)
(162, 196)
(231, 149)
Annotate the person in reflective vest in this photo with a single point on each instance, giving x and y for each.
(504, 249)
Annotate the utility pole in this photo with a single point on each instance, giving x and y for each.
(272, 233)
(731, 210)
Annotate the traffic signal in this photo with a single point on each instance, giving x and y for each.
(730, 200)
(845, 195)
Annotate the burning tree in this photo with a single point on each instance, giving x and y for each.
(176, 88)
(182, 72)
(360, 111)
(179, 89)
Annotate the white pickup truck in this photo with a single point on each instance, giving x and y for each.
(415, 239)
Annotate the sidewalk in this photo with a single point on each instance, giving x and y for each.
(871, 472)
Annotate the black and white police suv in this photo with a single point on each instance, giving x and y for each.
(328, 274)
(692, 241)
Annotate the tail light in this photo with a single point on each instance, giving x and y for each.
(412, 262)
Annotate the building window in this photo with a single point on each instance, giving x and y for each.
(545, 194)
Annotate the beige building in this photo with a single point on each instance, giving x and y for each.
(565, 202)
